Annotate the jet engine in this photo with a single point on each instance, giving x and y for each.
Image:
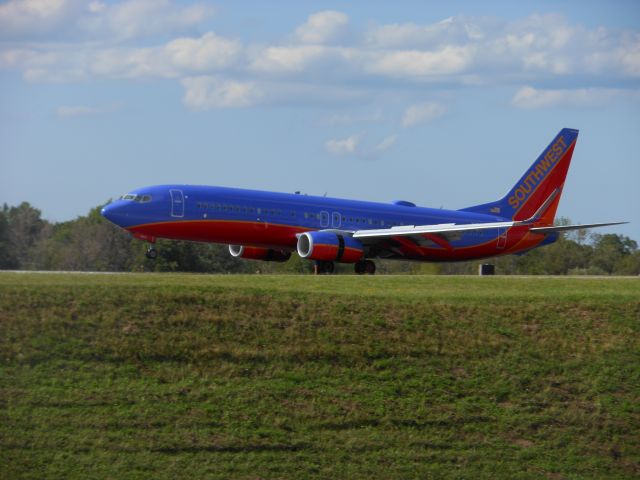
(258, 253)
(330, 247)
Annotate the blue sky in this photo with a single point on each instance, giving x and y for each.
(441, 103)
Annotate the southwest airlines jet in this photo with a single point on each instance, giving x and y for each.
(269, 226)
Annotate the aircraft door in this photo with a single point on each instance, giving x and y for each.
(324, 219)
(177, 203)
(335, 220)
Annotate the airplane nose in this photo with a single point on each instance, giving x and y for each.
(113, 213)
(107, 212)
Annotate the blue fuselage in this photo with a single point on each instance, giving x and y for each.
(274, 220)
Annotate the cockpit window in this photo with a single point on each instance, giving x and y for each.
(136, 198)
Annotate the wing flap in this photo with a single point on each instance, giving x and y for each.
(408, 230)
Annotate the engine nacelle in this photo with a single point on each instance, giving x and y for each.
(330, 246)
(259, 253)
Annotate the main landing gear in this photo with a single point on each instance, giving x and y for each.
(365, 266)
(323, 268)
(151, 253)
(327, 268)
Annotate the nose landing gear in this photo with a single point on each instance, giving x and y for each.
(151, 253)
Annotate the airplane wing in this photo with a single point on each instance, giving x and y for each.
(562, 228)
(408, 230)
(452, 228)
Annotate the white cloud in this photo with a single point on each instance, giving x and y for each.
(204, 92)
(322, 27)
(453, 30)
(287, 60)
(209, 52)
(353, 146)
(386, 143)
(21, 18)
(422, 112)
(64, 19)
(139, 18)
(418, 63)
(132, 63)
(72, 40)
(180, 57)
(343, 146)
(533, 98)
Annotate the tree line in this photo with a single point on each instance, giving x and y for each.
(90, 243)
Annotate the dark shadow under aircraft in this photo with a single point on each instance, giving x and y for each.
(270, 226)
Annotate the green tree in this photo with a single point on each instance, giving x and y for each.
(26, 230)
(628, 265)
(87, 243)
(610, 249)
(180, 256)
(8, 257)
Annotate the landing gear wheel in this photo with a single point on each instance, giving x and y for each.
(152, 253)
(369, 267)
(360, 267)
(324, 268)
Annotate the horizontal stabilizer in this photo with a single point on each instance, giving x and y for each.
(563, 228)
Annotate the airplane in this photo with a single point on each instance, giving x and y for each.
(269, 226)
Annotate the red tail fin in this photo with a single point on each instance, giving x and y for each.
(538, 191)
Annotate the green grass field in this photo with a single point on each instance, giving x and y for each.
(265, 377)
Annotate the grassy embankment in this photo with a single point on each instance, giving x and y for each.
(163, 376)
